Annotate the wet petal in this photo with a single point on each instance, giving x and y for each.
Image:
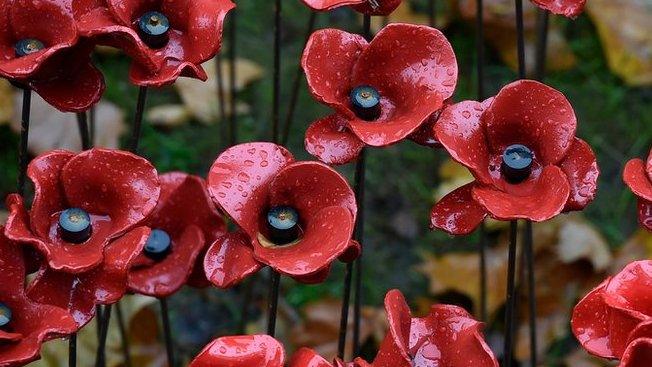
(458, 213)
(567, 8)
(590, 323)
(636, 177)
(332, 142)
(241, 351)
(230, 260)
(581, 168)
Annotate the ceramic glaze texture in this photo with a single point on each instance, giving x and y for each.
(60, 68)
(194, 37)
(31, 323)
(187, 214)
(638, 176)
(117, 189)
(246, 181)
(563, 174)
(305, 357)
(614, 320)
(241, 351)
(413, 68)
(567, 8)
(369, 7)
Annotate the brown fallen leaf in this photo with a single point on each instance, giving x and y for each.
(500, 31)
(6, 102)
(51, 129)
(200, 98)
(627, 44)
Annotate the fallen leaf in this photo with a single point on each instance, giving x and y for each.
(201, 98)
(6, 102)
(627, 44)
(51, 129)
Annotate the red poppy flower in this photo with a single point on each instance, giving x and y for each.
(370, 7)
(305, 357)
(241, 351)
(381, 93)
(44, 53)
(167, 39)
(183, 223)
(638, 176)
(296, 217)
(617, 314)
(104, 192)
(102, 285)
(567, 8)
(638, 353)
(447, 336)
(521, 148)
(24, 323)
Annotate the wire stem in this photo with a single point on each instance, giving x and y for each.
(23, 155)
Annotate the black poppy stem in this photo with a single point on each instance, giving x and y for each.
(167, 331)
(138, 120)
(23, 155)
(233, 120)
(82, 124)
(479, 45)
(520, 39)
(529, 259)
(221, 100)
(543, 20)
(294, 97)
(510, 308)
(126, 354)
(91, 128)
(277, 71)
(72, 350)
(103, 323)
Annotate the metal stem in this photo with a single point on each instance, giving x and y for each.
(167, 331)
(91, 129)
(272, 307)
(344, 313)
(138, 120)
(123, 335)
(72, 350)
(479, 45)
(233, 121)
(82, 124)
(103, 318)
(277, 70)
(520, 34)
(294, 97)
(23, 155)
(511, 296)
(543, 20)
(219, 80)
(483, 273)
(529, 258)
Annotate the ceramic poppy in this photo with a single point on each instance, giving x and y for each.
(167, 39)
(82, 202)
(448, 336)
(296, 217)
(241, 351)
(105, 284)
(382, 91)
(617, 315)
(638, 176)
(306, 357)
(24, 323)
(184, 221)
(44, 53)
(567, 8)
(370, 7)
(521, 148)
(638, 353)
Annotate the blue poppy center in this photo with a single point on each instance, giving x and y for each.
(5, 315)
(153, 28)
(283, 224)
(159, 245)
(28, 46)
(75, 225)
(365, 101)
(517, 163)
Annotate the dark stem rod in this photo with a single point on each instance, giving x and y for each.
(82, 124)
(520, 39)
(543, 20)
(529, 259)
(277, 71)
(221, 100)
(126, 354)
(479, 44)
(103, 323)
(510, 304)
(167, 331)
(272, 306)
(72, 350)
(23, 155)
(138, 120)
(233, 120)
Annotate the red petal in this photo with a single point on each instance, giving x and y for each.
(328, 61)
(239, 180)
(385, 7)
(241, 351)
(164, 278)
(167, 74)
(458, 213)
(126, 11)
(581, 168)
(413, 80)
(310, 187)
(45, 172)
(645, 214)
(642, 330)
(315, 278)
(636, 177)
(543, 199)
(534, 114)
(325, 5)
(425, 134)
(462, 134)
(230, 260)
(320, 245)
(567, 8)
(394, 351)
(638, 353)
(119, 184)
(306, 357)
(590, 323)
(352, 253)
(330, 140)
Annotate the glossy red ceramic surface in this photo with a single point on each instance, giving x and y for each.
(638, 177)
(241, 351)
(380, 7)
(567, 8)
(305, 357)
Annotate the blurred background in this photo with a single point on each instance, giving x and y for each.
(602, 62)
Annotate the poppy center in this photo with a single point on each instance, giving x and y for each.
(283, 224)
(153, 28)
(365, 101)
(28, 46)
(159, 245)
(517, 163)
(75, 225)
(5, 315)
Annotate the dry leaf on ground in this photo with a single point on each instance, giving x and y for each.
(6, 102)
